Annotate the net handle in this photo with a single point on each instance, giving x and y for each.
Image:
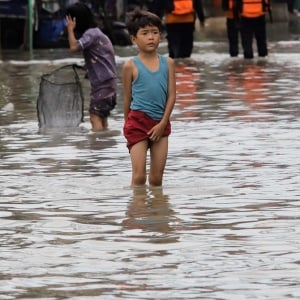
(74, 66)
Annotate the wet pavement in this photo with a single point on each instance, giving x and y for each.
(225, 224)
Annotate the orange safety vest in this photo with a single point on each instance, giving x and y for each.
(253, 8)
(183, 12)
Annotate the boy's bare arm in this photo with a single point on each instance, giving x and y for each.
(171, 91)
(157, 131)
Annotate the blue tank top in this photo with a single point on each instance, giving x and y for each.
(150, 89)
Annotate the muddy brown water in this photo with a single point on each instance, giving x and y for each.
(225, 224)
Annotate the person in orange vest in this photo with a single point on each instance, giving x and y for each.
(253, 24)
(180, 19)
(232, 26)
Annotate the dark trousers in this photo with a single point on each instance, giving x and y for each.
(290, 4)
(233, 36)
(250, 28)
(180, 37)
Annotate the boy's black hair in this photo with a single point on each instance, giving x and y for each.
(84, 16)
(138, 18)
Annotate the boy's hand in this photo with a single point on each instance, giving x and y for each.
(156, 132)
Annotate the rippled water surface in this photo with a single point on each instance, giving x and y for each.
(226, 223)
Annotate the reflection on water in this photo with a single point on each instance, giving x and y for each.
(149, 210)
(187, 84)
(226, 223)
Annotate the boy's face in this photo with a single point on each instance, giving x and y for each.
(147, 38)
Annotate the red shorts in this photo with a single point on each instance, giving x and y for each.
(137, 125)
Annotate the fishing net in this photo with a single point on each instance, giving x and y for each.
(60, 101)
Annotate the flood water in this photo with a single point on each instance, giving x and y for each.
(225, 224)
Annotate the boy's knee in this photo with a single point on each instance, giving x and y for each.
(155, 180)
(138, 180)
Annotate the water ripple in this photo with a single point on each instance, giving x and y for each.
(225, 225)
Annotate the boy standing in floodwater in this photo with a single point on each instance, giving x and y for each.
(149, 98)
(100, 62)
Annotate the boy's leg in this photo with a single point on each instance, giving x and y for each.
(158, 155)
(138, 154)
(96, 121)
